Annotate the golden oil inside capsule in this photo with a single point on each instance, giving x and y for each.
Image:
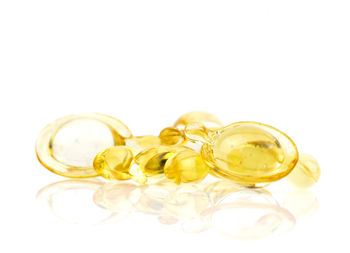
(198, 132)
(152, 161)
(207, 119)
(186, 167)
(139, 143)
(250, 153)
(114, 163)
(306, 173)
(171, 136)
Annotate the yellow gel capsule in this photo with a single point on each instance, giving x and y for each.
(250, 153)
(68, 145)
(306, 173)
(197, 132)
(186, 167)
(152, 161)
(171, 136)
(114, 163)
(207, 119)
(139, 143)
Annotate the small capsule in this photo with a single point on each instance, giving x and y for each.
(207, 119)
(139, 143)
(68, 145)
(250, 153)
(152, 160)
(114, 163)
(186, 167)
(197, 132)
(306, 173)
(171, 136)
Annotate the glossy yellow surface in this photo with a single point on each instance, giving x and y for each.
(139, 143)
(114, 163)
(152, 161)
(185, 167)
(171, 136)
(207, 119)
(250, 153)
(68, 145)
(306, 173)
(198, 132)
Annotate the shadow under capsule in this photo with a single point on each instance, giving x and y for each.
(232, 210)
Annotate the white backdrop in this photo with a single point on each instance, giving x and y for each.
(284, 63)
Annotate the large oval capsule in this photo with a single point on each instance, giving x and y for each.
(69, 145)
(250, 153)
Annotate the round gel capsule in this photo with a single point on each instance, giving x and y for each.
(151, 161)
(306, 173)
(186, 167)
(171, 136)
(114, 163)
(68, 145)
(250, 153)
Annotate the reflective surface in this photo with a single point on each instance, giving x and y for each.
(231, 210)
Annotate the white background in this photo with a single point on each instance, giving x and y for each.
(284, 63)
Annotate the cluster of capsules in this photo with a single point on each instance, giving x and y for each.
(250, 154)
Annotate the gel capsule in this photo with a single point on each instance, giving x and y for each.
(152, 161)
(171, 136)
(207, 119)
(306, 173)
(250, 153)
(186, 167)
(114, 163)
(68, 145)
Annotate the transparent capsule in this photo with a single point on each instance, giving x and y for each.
(185, 167)
(197, 132)
(68, 145)
(114, 163)
(171, 136)
(306, 173)
(152, 160)
(207, 119)
(139, 143)
(250, 153)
